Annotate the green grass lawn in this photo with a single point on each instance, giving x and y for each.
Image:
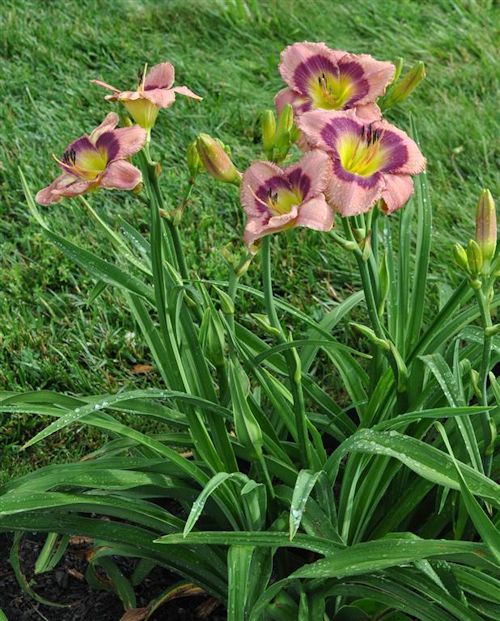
(50, 337)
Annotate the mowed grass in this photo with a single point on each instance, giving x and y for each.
(50, 336)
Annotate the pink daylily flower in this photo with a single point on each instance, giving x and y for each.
(371, 161)
(276, 199)
(321, 78)
(97, 160)
(154, 92)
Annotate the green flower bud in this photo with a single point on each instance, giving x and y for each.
(226, 303)
(212, 337)
(194, 162)
(474, 257)
(371, 336)
(268, 126)
(406, 85)
(486, 226)
(460, 256)
(283, 138)
(216, 161)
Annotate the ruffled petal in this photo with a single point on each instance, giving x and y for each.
(351, 195)
(64, 186)
(109, 123)
(368, 113)
(258, 227)
(288, 96)
(121, 175)
(397, 192)
(322, 127)
(130, 141)
(160, 76)
(310, 174)
(370, 81)
(255, 178)
(404, 156)
(187, 92)
(316, 214)
(296, 65)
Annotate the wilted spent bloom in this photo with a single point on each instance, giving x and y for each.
(371, 161)
(486, 226)
(276, 199)
(155, 91)
(405, 87)
(97, 160)
(318, 77)
(216, 161)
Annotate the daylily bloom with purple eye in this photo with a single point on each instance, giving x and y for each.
(155, 91)
(276, 199)
(97, 160)
(371, 161)
(321, 78)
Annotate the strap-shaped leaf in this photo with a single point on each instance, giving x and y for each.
(427, 461)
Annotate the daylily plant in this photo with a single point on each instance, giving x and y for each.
(97, 160)
(321, 78)
(276, 199)
(155, 91)
(371, 161)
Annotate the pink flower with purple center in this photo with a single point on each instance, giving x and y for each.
(155, 91)
(276, 199)
(371, 161)
(321, 78)
(97, 160)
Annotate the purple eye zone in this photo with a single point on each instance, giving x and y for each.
(370, 135)
(69, 157)
(272, 196)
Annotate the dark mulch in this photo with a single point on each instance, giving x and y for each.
(66, 585)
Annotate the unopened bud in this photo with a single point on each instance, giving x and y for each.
(263, 322)
(398, 64)
(486, 226)
(406, 85)
(283, 139)
(492, 330)
(216, 161)
(460, 256)
(474, 257)
(194, 163)
(226, 302)
(212, 337)
(285, 120)
(268, 126)
(371, 336)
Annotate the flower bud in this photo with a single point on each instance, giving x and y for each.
(216, 161)
(285, 133)
(460, 256)
(285, 120)
(268, 126)
(194, 162)
(226, 302)
(398, 64)
(371, 336)
(212, 337)
(486, 226)
(474, 257)
(406, 85)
